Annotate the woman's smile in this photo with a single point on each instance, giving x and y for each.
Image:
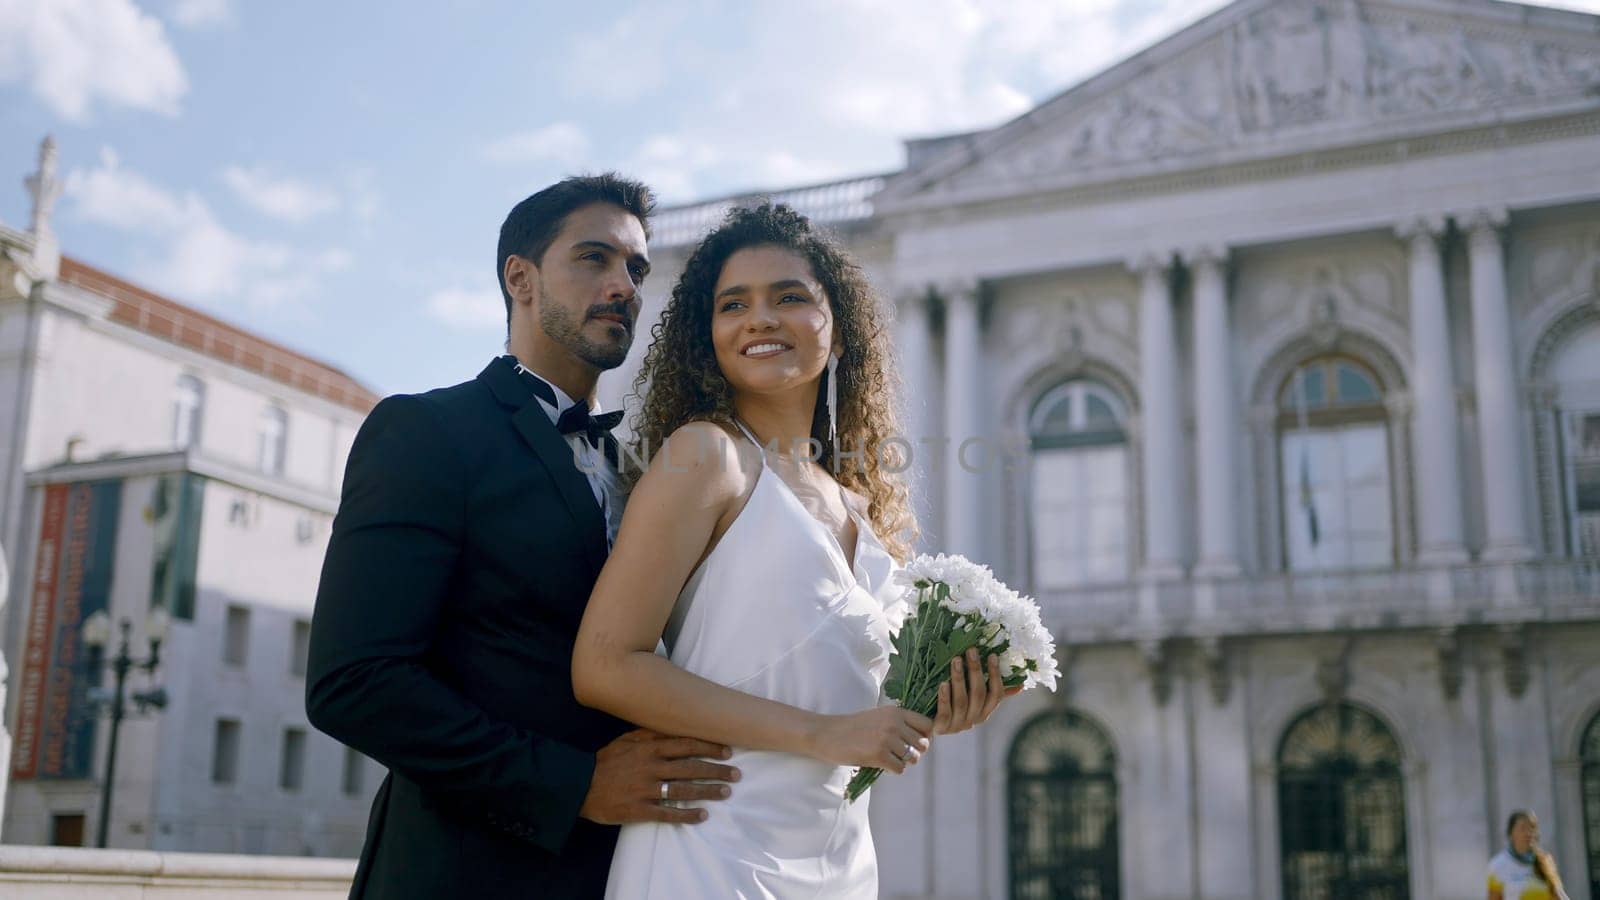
(765, 349)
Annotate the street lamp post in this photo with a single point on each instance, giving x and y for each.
(96, 635)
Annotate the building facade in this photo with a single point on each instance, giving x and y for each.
(157, 458)
(1273, 354)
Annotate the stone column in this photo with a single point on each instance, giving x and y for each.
(1499, 416)
(917, 390)
(953, 802)
(1217, 420)
(1433, 424)
(1159, 420)
(5, 678)
(962, 484)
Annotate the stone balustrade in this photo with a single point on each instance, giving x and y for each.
(1286, 603)
(69, 873)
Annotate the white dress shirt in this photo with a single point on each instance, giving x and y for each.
(591, 462)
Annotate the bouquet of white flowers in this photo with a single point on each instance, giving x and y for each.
(955, 604)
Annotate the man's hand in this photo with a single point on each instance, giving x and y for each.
(629, 773)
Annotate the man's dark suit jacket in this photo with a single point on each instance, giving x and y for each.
(464, 550)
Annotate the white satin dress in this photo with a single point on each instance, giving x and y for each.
(775, 610)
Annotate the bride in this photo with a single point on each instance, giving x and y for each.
(767, 575)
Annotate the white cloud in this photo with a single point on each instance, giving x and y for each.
(202, 13)
(828, 88)
(335, 260)
(469, 308)
(645, 49)
(277, 196)
(562, 143)
(111, 195)
(75, 53)
(670, 163)
(673, 165)
(186, 250)
(366, 202)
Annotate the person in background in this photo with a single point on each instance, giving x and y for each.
(1523, 871)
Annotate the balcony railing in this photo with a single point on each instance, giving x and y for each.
(1275, 603)
(834, 203)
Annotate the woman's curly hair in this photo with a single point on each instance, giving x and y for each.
(681, 382)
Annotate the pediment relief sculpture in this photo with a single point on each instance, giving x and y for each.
(1309, 66)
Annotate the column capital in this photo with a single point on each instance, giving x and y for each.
(1483, 220)
(1146, 262)
(1204, 254)
(958, 289)
(1422, 225)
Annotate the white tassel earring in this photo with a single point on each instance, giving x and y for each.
(833, 402)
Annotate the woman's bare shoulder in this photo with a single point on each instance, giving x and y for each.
(704, 456)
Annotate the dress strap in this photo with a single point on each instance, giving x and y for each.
(752, 437)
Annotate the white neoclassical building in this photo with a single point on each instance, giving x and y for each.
(154, 457)
(1280, 346)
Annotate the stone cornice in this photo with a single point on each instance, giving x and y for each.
(217, 470)
(1170, 178)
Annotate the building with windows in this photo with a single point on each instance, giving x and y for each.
(1273, 354)
(152, 456)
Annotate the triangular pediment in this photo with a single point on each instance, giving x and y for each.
(1265, 77)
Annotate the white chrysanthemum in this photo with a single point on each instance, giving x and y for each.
(1030, 646)
(975, 594)
(970, 585)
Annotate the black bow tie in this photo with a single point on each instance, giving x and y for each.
(595, 429)
(575, 419)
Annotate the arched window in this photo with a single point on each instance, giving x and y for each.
(1589, 754)
(1575, 371)
(1341, 807)
(272, 440)
(1063, 810)
(1080, 502)
(1334, 453)
(188, 406)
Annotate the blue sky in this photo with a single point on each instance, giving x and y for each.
(333, 175)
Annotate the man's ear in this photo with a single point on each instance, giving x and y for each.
(522, 278)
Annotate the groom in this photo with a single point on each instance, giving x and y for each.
(464, 551)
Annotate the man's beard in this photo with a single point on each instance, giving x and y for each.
(559, 326)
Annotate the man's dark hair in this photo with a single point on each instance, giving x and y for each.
(533, 224)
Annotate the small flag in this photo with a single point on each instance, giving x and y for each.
(1308, 500)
